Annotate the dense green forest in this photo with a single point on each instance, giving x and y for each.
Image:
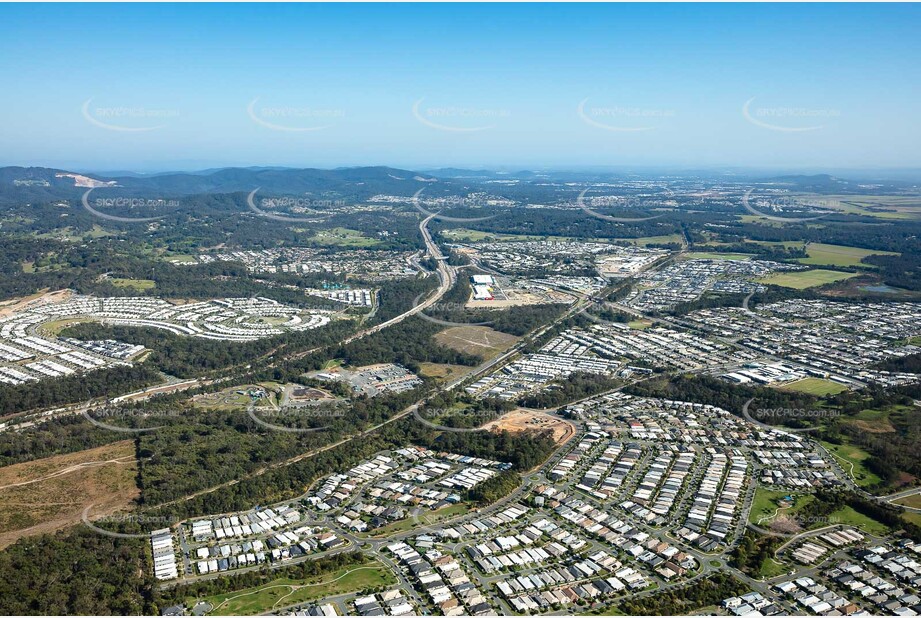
(69, 389)
(76, 572)
(578, 385)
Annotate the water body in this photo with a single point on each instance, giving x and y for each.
(880, 289)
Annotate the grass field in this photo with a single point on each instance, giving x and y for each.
(481, 341)
(837, 255)
(135, 284)
(850, 517)
(704, 255)
(180, 258)
(851, 459)
(878, 206)
(913, 501)
(806, 278)
(284, 591)
(639, 324)
(343, 237)
(467, 235)
(442, 372)
(655, 240)
(49, 494)
(815, 386)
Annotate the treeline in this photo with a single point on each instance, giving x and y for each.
(55, 437)
(731, 397)
(74, 388)
(710, 590)
(578, 385)
(904, 364)
(76, 572)
(753, 550)
(828, 502)
(524, 451)
(408, 343)
(188, 357)
(398, 297)
(495, 488)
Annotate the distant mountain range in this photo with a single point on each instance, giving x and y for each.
(41, 184)
(30, 184)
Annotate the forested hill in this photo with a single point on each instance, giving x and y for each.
(40, 184)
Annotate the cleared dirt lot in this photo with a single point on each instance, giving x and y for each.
(480, 341)
(520, 420)
(49, 494)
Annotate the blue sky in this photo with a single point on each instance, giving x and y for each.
(161, 87)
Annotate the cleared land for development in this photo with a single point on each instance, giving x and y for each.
(49, 494)
(480, 341)
(517, 421)
(807, 278)
(442, 372)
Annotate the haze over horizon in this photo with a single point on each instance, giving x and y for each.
(792, 87)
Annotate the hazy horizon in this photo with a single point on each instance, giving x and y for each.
(157, 88)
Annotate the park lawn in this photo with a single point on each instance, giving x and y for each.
(639, 324)
(764, 504)
(848, 516)
(912, 518)
(771, 567)
(285, 591)
(704, 255)
(139, 285)
(343, 237)
(851, 459)
(821, 254)
(815, 386)
(803, 279)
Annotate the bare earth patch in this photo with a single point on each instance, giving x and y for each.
(50, 494)
(520, 420)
